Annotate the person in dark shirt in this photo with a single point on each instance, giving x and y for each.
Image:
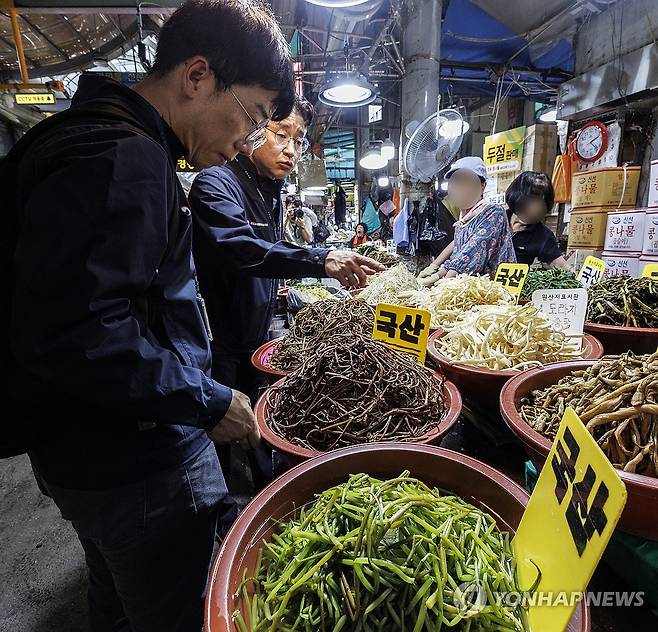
(105, 347)
(530, 198)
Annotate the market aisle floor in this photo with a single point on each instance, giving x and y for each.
(42, 572)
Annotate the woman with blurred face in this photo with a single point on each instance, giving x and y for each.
(529, 199)
(483, 238)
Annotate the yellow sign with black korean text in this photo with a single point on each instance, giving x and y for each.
(592, 271)
(512, 277)
(182, 166)
(403, 328)
(34, 98)
(566, 526)
(650, 271)
(504, 151)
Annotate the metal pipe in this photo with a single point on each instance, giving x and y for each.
(18, 41)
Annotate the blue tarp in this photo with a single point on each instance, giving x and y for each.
(471, 35)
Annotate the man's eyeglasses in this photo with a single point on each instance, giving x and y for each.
(281, 139)
(256, 137)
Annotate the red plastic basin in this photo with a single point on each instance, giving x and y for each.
(474, 481)
(483, 386)
(260, 359)
(640, 515)
(617, 340)
(295, 453)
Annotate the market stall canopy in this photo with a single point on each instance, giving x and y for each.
(485, 46)
(67, 35)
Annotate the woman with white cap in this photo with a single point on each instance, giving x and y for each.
(483, 237)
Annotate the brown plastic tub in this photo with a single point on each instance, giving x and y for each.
(260, 359)
(617, 340)
(482, 386)
(640, 515)
(474, 481)
(295, 454)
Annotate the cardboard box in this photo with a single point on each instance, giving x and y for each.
(621, 264)
(587, 229)
(613, 187)
(576, 258)
(625, 231)
(540, 149)
(650, 240)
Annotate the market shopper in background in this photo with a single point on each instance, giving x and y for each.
(297, 225)
(360, 235)
(483, 238)
(530, 198)
(107, 359)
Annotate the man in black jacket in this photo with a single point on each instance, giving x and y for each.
(239, 249)
(108, 354)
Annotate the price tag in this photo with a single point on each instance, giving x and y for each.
(566, 526)
(592, 271)
(566, 308)
(403, 328)
(650, 271)
(512, 276)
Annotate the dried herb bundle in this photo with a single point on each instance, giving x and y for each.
(318, 322)
(616, 400)
(353, 390)
(624, 302)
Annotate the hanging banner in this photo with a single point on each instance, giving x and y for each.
(504, 151)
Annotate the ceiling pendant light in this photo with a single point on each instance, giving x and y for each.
(388, 149)
(548, 115)
(453, 128)
(373, 158)
(347, 90)
(383, 181)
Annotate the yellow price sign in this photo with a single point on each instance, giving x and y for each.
(403, 328)
(566, 526)
(592, 271)
(650, 271)
(512, 277)
(34, 98)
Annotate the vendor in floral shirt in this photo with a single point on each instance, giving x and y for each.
(483, 237)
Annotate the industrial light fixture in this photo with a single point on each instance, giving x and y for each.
(548, 115)
(454, 128)
(383, 181)
(388, 149)
(444, 186)
(347, 90)
(372, 158)
(337, 4)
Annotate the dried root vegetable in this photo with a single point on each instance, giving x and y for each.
(450, 298)
(502, 337)
(384, 555)
(624, 302)
(388, 286)
(317, 322)
(618, 403)
(353, 390)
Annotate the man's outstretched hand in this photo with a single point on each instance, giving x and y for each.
(351, 269)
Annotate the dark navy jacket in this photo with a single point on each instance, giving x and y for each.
(107, 335)
(240, 254)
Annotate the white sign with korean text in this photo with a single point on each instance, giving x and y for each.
(566, 308)
(653, 184)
